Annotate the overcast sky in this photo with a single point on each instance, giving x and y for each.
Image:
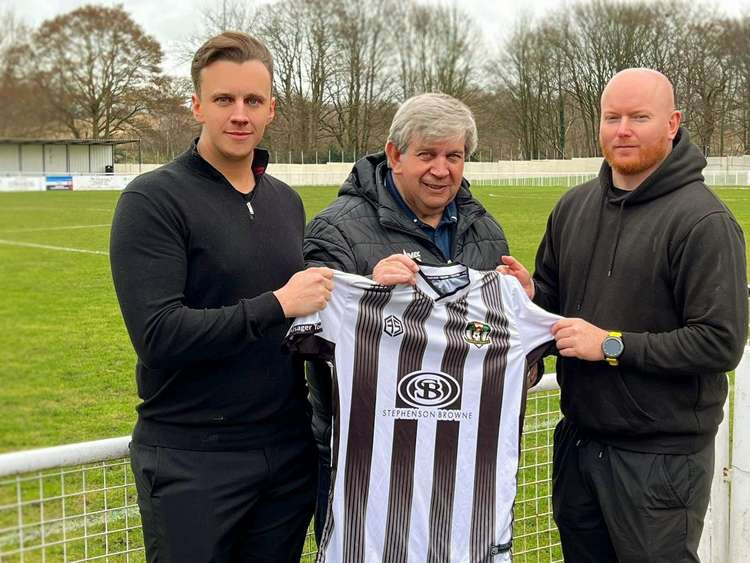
(172, 21)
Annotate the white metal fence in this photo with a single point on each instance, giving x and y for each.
(320, 175)
(78, 502)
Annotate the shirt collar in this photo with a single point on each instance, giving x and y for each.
(258, 166)
(450, 213)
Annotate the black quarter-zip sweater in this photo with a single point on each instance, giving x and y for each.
(194, 272)
(664, 265)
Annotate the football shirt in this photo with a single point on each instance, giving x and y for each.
(429, 390)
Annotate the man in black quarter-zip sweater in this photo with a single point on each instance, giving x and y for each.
(653, 265)
(207, 262)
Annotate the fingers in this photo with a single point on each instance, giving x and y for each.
(561, 324)
(322, 270)
(513, 267)
(326, 275)
(394, 276)
(395, 269)
(403, 259)
(306, 292)
(579, 338)
(513, 264)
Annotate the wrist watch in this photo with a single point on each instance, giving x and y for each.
(612, 347)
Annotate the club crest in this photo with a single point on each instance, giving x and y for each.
(477, 333)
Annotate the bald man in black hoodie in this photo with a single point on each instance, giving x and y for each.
(649, 266)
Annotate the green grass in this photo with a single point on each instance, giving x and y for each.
(67, 366)
(66, 363)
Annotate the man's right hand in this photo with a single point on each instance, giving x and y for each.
(513, 267)
(306, 292)
(395, 269)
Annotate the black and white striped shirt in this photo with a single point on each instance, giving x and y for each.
(430, 386)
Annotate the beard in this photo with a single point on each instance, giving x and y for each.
(645, 159)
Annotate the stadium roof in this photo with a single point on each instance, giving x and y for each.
(21, 141)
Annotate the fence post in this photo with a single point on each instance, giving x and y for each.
(714, 544)
(739, 523)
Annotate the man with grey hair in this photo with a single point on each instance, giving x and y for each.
(409, 202)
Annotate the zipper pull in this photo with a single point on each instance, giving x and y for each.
(251, 210)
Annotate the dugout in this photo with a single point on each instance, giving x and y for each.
(61, 156)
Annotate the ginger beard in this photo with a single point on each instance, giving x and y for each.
(637, 160)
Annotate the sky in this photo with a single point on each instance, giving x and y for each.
(172, 21)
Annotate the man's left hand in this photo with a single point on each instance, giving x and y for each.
(577, 338)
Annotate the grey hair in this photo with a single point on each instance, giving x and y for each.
(433, 117)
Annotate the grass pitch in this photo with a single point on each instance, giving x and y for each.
(67, 366)
(66, 363)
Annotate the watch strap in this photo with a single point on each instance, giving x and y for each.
(614, 334)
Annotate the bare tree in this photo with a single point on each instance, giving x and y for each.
(436, 50)
(299, 34)
(530, 73)
(94, 66)
(168, 127)
(18, 117)
(359, 90)
(705, 87)
(739, 39)
(215, 18)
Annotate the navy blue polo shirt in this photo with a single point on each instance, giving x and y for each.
(442, 236)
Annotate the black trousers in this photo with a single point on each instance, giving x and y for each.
(614, 505)
(232, 506)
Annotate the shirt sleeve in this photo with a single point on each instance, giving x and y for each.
(534, 323)
(546, 291)
(149, 268)
(315, 336)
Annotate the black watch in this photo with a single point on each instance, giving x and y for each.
(613, 347)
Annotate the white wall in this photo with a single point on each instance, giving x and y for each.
(9, 158)
(79, 158)
(31, 158)
(55, 159)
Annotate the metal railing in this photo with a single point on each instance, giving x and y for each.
(77, 502)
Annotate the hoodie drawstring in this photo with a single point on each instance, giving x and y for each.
(617, 240)
(579, 304)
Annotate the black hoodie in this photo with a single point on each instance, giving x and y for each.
(665, 265)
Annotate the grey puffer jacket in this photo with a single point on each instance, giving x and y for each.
(362, 226)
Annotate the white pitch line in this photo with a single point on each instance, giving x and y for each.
(55, 209)
(64, 228)
(50, 247)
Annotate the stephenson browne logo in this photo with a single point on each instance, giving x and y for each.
(428, 389)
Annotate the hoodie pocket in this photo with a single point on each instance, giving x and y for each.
(630, 400)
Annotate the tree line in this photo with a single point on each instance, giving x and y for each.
(343, 66)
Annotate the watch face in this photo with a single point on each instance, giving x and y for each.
(612, 347)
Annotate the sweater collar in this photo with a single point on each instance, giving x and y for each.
(193, 160)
